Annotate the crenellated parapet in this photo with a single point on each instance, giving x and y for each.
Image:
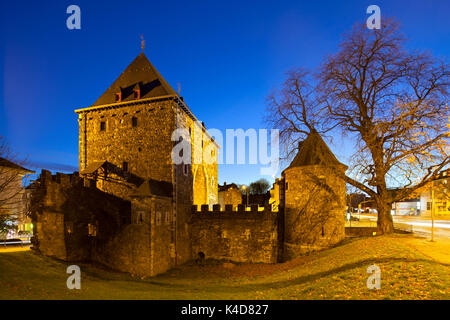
(247, 234)
(228, 209)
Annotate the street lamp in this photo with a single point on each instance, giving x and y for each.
(433, 205)
(245, 189)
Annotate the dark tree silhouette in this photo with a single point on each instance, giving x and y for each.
(260, 186)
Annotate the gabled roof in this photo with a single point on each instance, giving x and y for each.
(226, 187)
(152, 187)
(314, 151)
(92, 167)
(8, 164)
(140, 73)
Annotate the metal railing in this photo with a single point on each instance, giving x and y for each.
(21, 242)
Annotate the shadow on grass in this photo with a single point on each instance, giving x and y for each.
(264, 286)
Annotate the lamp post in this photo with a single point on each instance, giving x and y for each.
(246, 190)
(433, 206)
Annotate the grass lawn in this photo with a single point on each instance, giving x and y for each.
(337, 273)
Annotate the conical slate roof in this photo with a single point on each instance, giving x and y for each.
(314, 151)
(139, 74)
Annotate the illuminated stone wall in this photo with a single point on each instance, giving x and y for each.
(314, 209)
(147, 149)
(241, 236)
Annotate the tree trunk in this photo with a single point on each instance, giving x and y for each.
(385, 223)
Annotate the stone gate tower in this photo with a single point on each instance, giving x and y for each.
(313, 198)
(126, 143)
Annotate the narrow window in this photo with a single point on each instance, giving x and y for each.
(92, 229)
(185, 169)
(137, 94)
(158, 218)
(287, 185)
(167, 218)
(102, 126)
(125, 166)
(118, 97)
(134, 122)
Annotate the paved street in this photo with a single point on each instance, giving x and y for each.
(420, 225)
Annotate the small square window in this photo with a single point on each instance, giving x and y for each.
(102, 126)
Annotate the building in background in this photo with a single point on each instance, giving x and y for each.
(229, 194)
(13, 198)
(420, 203)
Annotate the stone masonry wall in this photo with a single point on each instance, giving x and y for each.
(146, 147)
(314, 209)
(194, 181)
(241, 236)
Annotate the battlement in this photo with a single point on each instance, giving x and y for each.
(217, 209)
(224, 233)
(63, 179)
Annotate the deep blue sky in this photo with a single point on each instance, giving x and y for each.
(227, 56)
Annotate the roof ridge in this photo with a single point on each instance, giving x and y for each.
(314, 151)
(140, 70)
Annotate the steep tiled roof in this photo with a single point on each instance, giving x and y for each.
(314, 151)
(139, 74)
(8, 164)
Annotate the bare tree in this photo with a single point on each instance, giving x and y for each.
(394, 101)
(11, 191)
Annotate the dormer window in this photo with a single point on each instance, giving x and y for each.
(118, 96)
(137, 93)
